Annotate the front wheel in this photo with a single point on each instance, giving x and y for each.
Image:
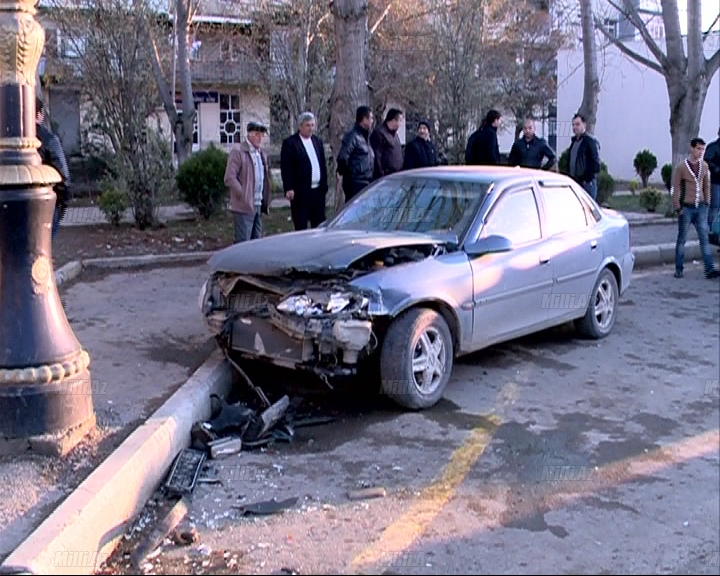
(416, 359)
(602, 308)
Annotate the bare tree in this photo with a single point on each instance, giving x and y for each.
(687, 75)
(350, 88)
(525, 57)
(111, 54)
(591, 80)
(182, 124)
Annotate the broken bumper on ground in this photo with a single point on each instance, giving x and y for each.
(325, 330)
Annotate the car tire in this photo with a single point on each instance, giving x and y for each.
(417, 334)
(602, 308)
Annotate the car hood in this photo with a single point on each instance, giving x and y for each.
(320, 250)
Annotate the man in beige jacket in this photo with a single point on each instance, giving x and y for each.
(691, 198)
(247, 175)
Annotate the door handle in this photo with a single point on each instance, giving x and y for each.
(593, 244)
(544, 259)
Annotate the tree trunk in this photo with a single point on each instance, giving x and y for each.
(185, 141)
(686, 106)
(351, 56)
(591, 84)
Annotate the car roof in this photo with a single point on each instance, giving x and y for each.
(485, 174)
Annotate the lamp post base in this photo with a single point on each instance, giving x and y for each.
(46, 419)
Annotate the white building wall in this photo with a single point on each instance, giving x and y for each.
(633, 110)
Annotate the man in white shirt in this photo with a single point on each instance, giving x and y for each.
(304, 174)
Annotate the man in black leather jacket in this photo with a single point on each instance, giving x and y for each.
(356, 160)
(51, 152)
(584, 156)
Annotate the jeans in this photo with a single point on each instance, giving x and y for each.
(698, 218)
(714, 212)
(247, 226)
(591, 188)
(55, 223)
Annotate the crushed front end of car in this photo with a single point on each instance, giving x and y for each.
(324, 325)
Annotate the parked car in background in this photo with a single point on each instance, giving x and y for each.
(420, 268)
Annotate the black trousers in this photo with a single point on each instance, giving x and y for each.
(352, 188)
(308, 208)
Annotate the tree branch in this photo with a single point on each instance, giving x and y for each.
(713, 64)
(631, 13)
(710, 28)
(627, 51)
(382, 17)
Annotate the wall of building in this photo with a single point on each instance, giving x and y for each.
(633, 111)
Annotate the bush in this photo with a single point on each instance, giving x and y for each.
(112, 204)
(645, 163)
(650, 198)
(666, 173)
(605, 186)
(633, 187)
(564, 162)
(200, 180)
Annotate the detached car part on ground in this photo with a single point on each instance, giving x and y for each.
(422, 267)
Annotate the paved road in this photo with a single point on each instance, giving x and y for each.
(145, 336)
(548, 454)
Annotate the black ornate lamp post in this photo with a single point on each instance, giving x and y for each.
(45, 393)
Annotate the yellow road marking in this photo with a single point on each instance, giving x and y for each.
(403, 532)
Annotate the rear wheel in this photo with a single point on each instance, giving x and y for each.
(602, 308)
(416, 359)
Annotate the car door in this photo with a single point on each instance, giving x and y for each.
(508, 287)
(574, 248)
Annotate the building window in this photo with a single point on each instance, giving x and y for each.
(230, 119)
(611, 27)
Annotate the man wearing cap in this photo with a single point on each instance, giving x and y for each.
(420, 151)
(247, 175)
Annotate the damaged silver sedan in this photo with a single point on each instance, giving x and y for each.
(422, 267)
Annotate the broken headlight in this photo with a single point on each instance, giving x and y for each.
(321, 303)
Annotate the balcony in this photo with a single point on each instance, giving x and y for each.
(226, 72)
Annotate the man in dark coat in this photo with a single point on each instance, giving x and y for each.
(304, 174)
(52, 154)
(482, 147)
(584, 153)
(420, 151)
(387, 146)
(529, 150)
(356, 159)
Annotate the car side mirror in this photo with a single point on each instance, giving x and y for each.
(490, 245)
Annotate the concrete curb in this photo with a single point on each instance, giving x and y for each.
(146, 260)
(657, 254)
(70, 271)
(85, 529)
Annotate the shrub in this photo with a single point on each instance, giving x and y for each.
(650, 198)
(605, 186)
(200, 180)
(666, 173)
(645, 163)
(564, 162)
(633, 187)
(112, 204)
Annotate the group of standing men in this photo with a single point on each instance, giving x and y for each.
(365, 155)
(531, 151)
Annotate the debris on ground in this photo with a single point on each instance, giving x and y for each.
(365, 493)
(267, 507)
(184, 473)
(153, 540)
(238, 426)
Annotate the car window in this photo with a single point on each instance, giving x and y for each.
(515, 216)
(413, 204)
(563, 210)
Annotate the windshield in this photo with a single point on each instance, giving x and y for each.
(414, 204)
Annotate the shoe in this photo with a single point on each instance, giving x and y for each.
(678, 274)
(712, 274)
